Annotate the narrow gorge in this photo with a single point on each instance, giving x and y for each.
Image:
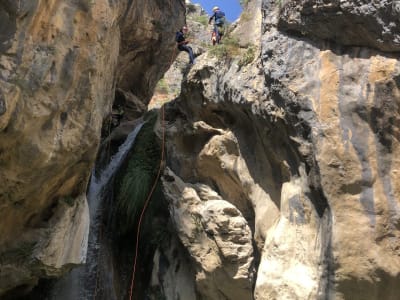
(266, 170)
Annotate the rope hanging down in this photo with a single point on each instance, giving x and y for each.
(150, 194)
(147, 203)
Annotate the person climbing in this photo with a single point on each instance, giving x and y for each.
(219, 21)
(182, 43)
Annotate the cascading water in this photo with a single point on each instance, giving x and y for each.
(82, 282)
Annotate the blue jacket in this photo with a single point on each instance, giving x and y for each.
(218, 16)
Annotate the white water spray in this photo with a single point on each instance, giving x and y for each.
(74, 285)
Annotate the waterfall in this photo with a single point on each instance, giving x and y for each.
(97, 184)
(82, 282)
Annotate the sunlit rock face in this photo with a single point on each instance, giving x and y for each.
(199, 37)
(353, 98)
(304, 142)
(373, 24)
(60, 62)
(217, 238)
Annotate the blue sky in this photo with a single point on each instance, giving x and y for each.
(231, 8)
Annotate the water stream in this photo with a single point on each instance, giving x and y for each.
(82, 283)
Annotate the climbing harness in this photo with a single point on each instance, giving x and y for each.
(216, 36)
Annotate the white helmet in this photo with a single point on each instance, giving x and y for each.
(215, 8)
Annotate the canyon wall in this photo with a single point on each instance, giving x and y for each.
(60, 62)
(301, 147)
(282, 147)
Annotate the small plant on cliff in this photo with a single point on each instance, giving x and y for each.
(227, 49)
(202, 19)
(248, 56)
(244, 2)
(134, 184)
(162, 87)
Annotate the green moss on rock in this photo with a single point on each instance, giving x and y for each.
(134, 183)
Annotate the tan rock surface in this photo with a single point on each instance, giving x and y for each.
(295, 152)
(217, 237)
(354, 95)
(59, 62)
(304, 142)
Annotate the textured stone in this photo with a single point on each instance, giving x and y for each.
(3, 107)
(218, 240)
(172, 272)
(352, 23)
(49, 252)
(296, 153)
(293, 258)
(349, 92)
(304, 142)
(70, 226)
(58, 74)
(248, 27)
(199, 38)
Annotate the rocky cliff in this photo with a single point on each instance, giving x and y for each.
(282, 171)
(282, 146)
(60, 62)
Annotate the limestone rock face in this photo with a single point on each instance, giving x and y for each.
(58, 62)
(217, 237)
(372, 24)
(50, 252)
(147, 43)
(248, 29)
(349, 97)
(304, 142)
(199, 37)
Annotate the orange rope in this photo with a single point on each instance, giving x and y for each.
(145, 206)
(151, 192)
(148, 197)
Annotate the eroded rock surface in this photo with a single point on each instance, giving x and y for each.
(58, 67)
(217, 237)
(372, 24)
(199, 37)
(349, 91)
(304, 142)
(281, 170)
